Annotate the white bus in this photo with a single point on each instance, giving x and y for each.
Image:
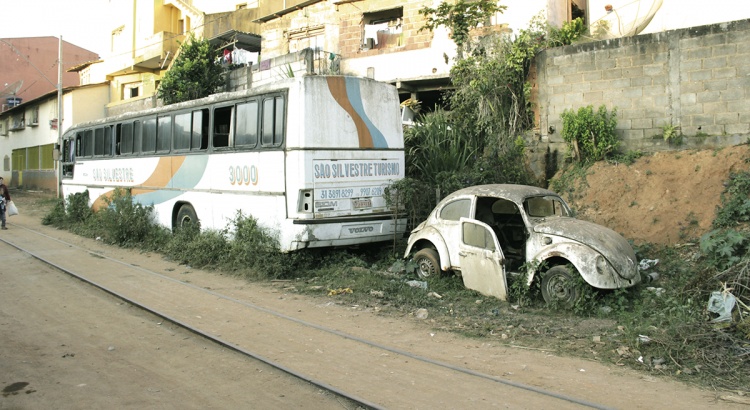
(308, 157)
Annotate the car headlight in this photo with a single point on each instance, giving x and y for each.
(602, 266)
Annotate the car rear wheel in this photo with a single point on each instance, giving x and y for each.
(559, 287)
(428, 263)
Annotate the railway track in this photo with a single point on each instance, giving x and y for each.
(335, 356)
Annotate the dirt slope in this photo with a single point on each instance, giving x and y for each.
(666, 198)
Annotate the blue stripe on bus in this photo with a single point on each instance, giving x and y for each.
(355, 98)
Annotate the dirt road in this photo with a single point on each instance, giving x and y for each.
(65, 345)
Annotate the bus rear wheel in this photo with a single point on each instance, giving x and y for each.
(186, 216)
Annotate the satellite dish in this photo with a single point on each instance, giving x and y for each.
(11, 90)
(627, 20)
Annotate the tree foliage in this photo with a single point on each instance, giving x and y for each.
(492, 93)
(460, 18)
(479, 141)
(194, 74)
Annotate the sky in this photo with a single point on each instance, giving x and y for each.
(79, 22)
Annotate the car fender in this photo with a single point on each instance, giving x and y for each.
(432, 236)
(585, 260)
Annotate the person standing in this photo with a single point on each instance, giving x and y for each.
(4, 199)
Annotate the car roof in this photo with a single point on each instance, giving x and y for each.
(515, 193)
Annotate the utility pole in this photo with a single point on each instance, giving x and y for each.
(59, 115)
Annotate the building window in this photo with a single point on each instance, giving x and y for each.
(18, 122)
(34, 114)
(311, 37)
(383, 29)
(131, 90)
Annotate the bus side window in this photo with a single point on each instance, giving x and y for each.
(137, 137)
(246, 126)
(88, 143)
(126, 139)
(182, 132)
(118, 139)
(200, 130)
(98, 142)
(148, 136)
(108, 140)
(273, 122)
(222, 122)
(164, 134)
(79, 144)
(68, 157)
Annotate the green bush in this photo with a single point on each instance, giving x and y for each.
(129, 224)
(735, 201)
(77, 209)
(196, 248)
(255, 250)
(590, 135)
(194, 74)
(724, 247)
(436, 144)
(56, 217)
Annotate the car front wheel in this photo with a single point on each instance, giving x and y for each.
(428, 263)
(559, 287)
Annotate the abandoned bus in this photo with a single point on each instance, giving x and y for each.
(308, 157)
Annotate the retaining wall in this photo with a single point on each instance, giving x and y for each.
(696, 79)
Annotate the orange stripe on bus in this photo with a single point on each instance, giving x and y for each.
(103, 201)
(165, 170)
(337, 86)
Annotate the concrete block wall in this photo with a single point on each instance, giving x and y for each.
(697, 79)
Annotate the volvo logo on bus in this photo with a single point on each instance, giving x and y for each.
(363, 229)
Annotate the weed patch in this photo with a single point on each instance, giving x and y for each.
(660, 327)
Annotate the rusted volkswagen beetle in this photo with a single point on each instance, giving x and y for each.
(487, 232)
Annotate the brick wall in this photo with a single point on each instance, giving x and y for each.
(343, 26)
(697, 79)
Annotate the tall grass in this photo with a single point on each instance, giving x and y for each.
(244, 247)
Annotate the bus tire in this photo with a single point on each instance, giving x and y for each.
(186, 216)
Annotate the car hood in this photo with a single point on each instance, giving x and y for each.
(607, 242)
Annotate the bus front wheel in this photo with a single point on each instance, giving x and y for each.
(186, 216)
